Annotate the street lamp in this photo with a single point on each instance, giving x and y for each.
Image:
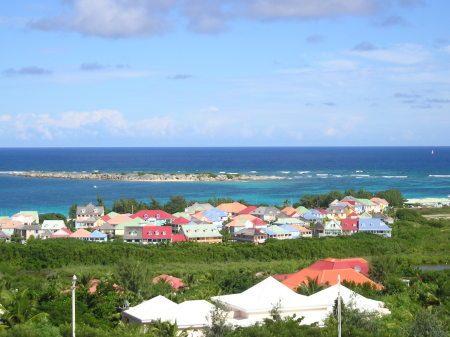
(74, 281)
(339, 307)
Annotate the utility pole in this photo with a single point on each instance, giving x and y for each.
(74, 281)
(339, 307)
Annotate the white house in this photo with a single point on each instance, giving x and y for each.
(53, 225)
(256, 303)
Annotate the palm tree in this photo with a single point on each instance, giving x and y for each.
(311, 286)
(19, 307)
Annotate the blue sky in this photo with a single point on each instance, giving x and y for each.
(224, 72)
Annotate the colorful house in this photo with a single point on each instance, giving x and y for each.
(357, 263)
(97, 236)
(61, 233)
(216, 216)
(349, 226)
(81, 234)
(156, 217)
(253, 235)
(232, 208)
(198, 207)
(295, 232)
(132, 234)
(332, 228)
(26, 217)
(327, 277)
(27, 231)
(369, 206)
(119, 229)
(53, 225)
(201, 233)
(382, 204)
(374, 226)
(156, 234)
(267, 213)
(277, 232)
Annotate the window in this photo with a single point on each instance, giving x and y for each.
(157, 233)
(163, 233)
(83, 210)
(158, 216)
(146, 216)
(150, 233)
(95, 210)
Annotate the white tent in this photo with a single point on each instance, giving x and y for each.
(350, 298)
(256, 303)
(187, 315)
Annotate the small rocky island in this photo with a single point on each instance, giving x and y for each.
(144, 176)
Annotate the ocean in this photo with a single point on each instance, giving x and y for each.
(415, 171)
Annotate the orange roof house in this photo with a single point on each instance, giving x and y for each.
(119, 219)
(329, 277)
(232, 207)
(357, 263)
(290, 211)
(80, 234)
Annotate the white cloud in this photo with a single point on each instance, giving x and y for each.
(339, 65)
(403, 53)
(330, 132)
(111, 18)
(74, 123)
(306, 9)
(5, 118)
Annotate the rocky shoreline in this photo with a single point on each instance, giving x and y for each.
(143, 176)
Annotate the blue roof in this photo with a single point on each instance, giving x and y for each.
(372, 224)
(97, 235)
(290, 228)
(214, 214)
(311, 216)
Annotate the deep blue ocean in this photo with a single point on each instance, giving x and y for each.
(414, 170)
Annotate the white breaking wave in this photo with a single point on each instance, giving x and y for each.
(360, 175)
(253, 171)
(322, 174)
(222, 172)
(304, 172)
(395, 177)
(359, 171)
(285, 172)
(439, 175)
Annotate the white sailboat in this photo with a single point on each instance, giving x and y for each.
(432, 151)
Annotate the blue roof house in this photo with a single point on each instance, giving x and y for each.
(216, 215)
(295, 233)
(98, 236)
(312, 216)
(375, 226)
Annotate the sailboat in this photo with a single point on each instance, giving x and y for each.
(432, 151)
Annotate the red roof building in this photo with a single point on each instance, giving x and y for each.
(153, 215)
(156, 234)
(178, 238)
(358, 264)
(248, 210)
(349, 226)
(180, 221)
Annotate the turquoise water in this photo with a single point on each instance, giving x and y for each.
(413, 170)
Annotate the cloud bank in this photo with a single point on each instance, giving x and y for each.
(131, 18)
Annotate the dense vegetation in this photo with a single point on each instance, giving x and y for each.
(34, 276)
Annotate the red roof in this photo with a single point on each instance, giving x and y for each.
(248, 210)
(259, 222)
(180, 221)
(281, 277)
(153, 214)
(178, 238)
(156, 232)
(105, 217)
(331, 263)
(352, 214)
(349, 224)
(329, 277)
(175, 282)
(322, 211)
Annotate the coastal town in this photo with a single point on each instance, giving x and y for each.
(204, 223)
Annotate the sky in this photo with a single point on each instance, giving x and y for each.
(224, 73)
